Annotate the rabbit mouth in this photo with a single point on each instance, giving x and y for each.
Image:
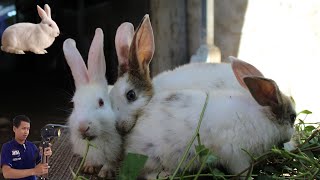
(89, 138)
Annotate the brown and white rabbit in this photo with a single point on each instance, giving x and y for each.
(92, 117)
(204, 76)
(160, 123)
(36, 38)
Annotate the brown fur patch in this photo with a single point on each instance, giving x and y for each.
(123, 68)
(282, 112)
(172, 97)
(288, 109)
(141, 85)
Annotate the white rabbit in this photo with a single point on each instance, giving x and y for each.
(92, 116)
(127, 99)
(36, 38)
(232, 121)
(159, 122)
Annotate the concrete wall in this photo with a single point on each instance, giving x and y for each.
(281, 38)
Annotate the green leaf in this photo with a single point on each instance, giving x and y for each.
(314, 140)
(305, 112)
(309, 128)
(203, 152)
(131, 166)
(212, 159)
(217, 172)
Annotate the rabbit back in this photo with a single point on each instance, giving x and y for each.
(205, 76)
(14, 37)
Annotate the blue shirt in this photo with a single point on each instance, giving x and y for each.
(20, 156)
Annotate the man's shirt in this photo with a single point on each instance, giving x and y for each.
(20, 156)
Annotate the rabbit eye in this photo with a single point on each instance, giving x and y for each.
(293, 117)
(50, 25)
(101, 102)
(131, 96)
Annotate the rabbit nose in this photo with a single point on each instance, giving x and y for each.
(83, 129)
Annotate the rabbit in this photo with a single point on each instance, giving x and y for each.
(92, 117)
(36, 38)
(233, 122)
(253, 115)
(205, 76)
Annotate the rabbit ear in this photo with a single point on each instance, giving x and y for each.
(41, 12)
(242, 69)
(76, 63)
(142, 48)
(47, 10)
(265, 91)
(123, 40)
(96, 59)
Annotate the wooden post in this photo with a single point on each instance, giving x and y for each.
(168, 20)
(194, 25)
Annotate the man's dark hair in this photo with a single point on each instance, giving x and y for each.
(17, 120)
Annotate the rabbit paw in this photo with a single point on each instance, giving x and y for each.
(19, 52)
(88, 168)
(39, 51)
(106, 171)
(156, 175)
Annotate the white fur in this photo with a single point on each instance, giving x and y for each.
(92, 116)
(36, 38)
(205, 76)
(232, 121)
(102, 124)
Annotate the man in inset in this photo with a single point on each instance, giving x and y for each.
(20, 159)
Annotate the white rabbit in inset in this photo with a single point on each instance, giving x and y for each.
(159, 123)
(36, 38)
(204, 76)
(92, 117)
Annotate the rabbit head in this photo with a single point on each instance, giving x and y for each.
(47, 24)
(133, 88)
(266, 93)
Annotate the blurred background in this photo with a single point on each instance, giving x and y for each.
(281, 38)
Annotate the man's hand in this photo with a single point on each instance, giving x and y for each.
(47, 151)
(41, 169)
